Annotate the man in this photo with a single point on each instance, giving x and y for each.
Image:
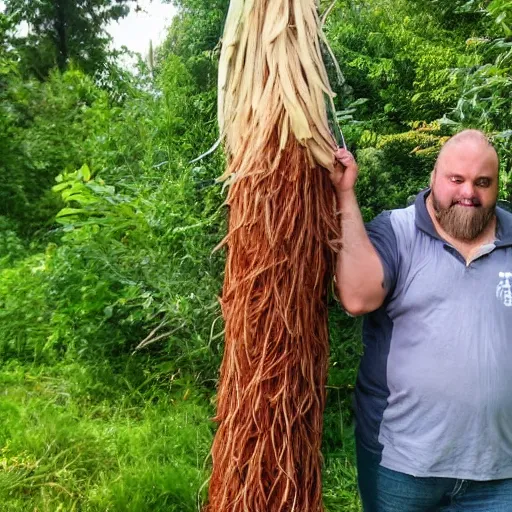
(434, 390)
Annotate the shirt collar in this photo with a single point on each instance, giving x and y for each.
(423, 219)
(425, 224)
(504, 230)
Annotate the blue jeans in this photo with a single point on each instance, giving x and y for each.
(384, 490)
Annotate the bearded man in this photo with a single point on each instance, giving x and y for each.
(434, 389)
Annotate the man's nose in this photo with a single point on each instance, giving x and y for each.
(468, 190)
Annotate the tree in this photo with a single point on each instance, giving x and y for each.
(194, 36)
(63, 30)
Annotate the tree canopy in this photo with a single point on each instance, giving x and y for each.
(60, 31)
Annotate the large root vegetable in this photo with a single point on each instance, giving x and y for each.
(273, 89)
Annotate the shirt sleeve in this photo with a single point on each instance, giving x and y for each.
(383, 238)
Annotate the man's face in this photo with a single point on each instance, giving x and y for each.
(465, 189)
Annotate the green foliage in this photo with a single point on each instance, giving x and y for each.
(454, 15)
(396, 168)
(501, 11)
(24, 315)
(398, 58)
(485, 91)
(118, 277)
(51, 127)
(131, 263)
(12, 246)
(194, 36)
(486, 88)
(93, 203)
(197, 28)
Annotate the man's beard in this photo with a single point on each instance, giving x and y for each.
(463, 223)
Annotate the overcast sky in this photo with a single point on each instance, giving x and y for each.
(138, 28)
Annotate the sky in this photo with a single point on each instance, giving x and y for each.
(138, 28)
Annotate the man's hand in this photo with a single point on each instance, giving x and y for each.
(344, 176)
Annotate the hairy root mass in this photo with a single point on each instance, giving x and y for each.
(266, 454)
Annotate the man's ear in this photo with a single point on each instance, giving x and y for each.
(432, 176)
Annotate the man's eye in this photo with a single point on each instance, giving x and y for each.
(455, 179)
(484, 182)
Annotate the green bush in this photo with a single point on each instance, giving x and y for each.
(398, 167)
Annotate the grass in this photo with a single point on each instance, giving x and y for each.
(340, 479)
(120, 450)
(85, 438)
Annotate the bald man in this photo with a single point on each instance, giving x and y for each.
(434, 388)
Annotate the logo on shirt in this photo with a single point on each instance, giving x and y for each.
(504, 289)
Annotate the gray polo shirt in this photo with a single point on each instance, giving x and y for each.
(434, 389)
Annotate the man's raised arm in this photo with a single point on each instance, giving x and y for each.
(359, 270)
